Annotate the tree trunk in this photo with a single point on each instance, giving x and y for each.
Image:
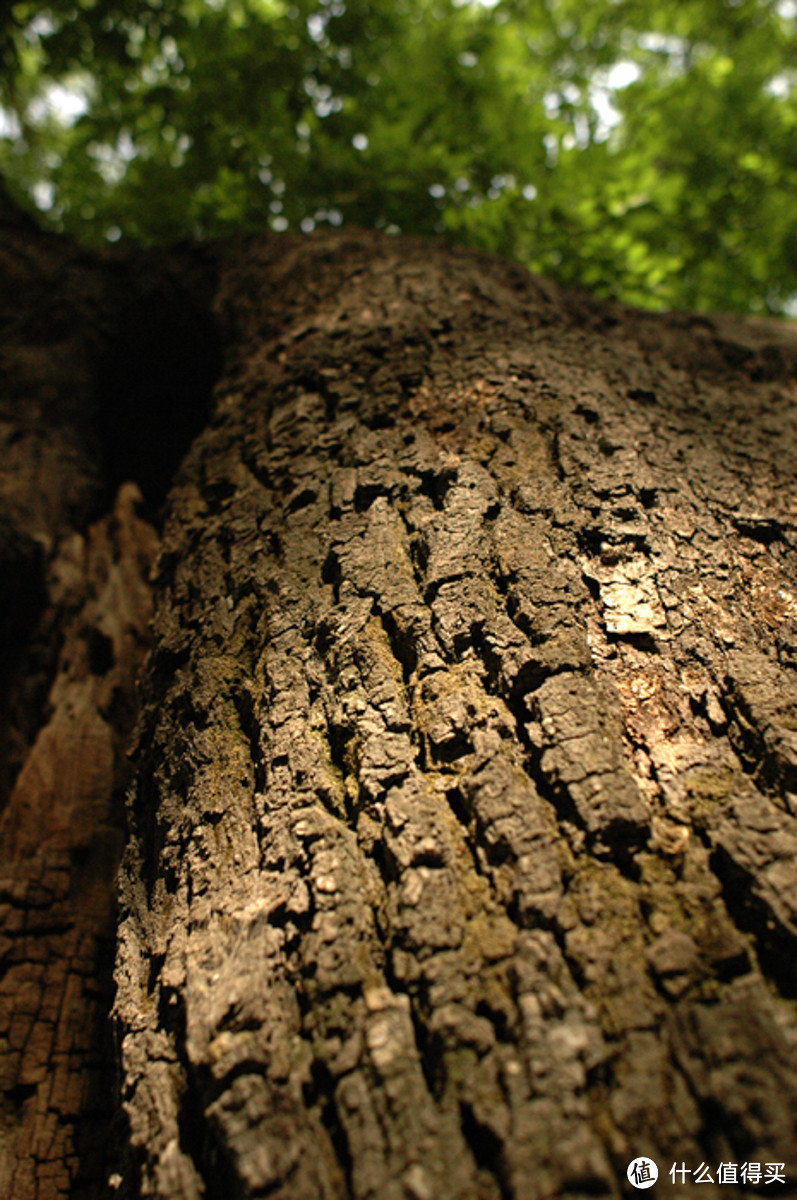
(460, 856)
(75, 604)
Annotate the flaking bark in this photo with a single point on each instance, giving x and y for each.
(461, 857)
(461, 840)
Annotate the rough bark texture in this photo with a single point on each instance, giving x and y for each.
(461, 857)
(461, 845)
(75, 605)
(60, 842)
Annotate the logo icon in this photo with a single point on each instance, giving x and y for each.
(642, 1172)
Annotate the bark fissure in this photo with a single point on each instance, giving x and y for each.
(499, 735)
(460, 852)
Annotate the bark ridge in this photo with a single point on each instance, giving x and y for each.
(461, 856)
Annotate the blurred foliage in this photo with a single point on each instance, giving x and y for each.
(643, 150)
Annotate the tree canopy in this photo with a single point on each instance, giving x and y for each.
(643, 150)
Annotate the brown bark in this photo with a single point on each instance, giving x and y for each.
(460, 856)
(75, 605)
(60, 842)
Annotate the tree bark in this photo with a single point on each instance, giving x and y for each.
(460, 856)
(75, 604)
